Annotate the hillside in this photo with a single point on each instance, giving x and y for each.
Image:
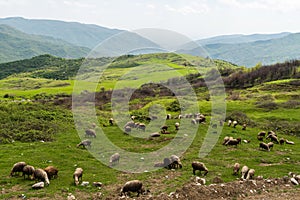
(264, 51)
(16, 45)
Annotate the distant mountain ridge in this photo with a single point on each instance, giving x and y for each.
(16, 45)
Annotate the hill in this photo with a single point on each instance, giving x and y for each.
(16, 45)
(87, 35)
(250, 53)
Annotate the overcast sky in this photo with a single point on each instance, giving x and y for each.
(193, 18)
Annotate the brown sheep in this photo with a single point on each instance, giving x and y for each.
(273, 138)
(77, 175)
(234, 142)
(28, 170)
(51, 171)
(236, 168)
(264, 146)
(132, 186)
(41, 175)
(199, 166)
(17, 167)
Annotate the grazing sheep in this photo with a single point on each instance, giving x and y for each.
(115, 158)
(271, 133)
(85, 143)
(90, 133)
(234, 142)
(168, 116)
(273, 138)
(132, 117)
(127, 129)
(289, 142)
(17, 167)
(132, 186)
(155, 134)
(141, 126)
(244, 127)
(131, 124)
(199, 166)
(175, 162)
(260, 138)
(234, 123)
(262, 133)
(200, 119)
(179, 116)
(250, 174)
(270, 145)
(236, 168)
(281, 141)
(77, 175)
(51, 171)
(41, 175)
(111, 121)
(164, 127)
(226, 139)
(229, 123)
(244, 172)
(264, 146)
(28, 170)
(177, 126)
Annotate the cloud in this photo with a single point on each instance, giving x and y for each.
(275, 5)
(192, 8)
(77, 4)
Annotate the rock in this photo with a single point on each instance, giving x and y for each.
(71, 197)
(38, 185)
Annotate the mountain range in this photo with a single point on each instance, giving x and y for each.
(24, 38)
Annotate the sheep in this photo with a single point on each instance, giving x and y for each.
(179, 116)
(17, 167)
(272, 133)
(51, 171)
(115, 158)
(193, 121)
(156, 134)
(77, 175)
(250, 174)
(177, 126)
(164, 127)
(41, 175)
(85, 143)
(260, 138)
(127, 129)
(175, 162)
(264, 146)
(130, 124)
(244, 127)
(200, 119)
(236, 168)
(229, 123)
(273, 138)
(199, 166)
(141, 126)
(164, 132)
(234, 123)
(289, 142)
(244, 172)
(168, 116)
(281, 141)
(132, 186)
(111, 121)
(225, 140)
(90, 133)
(270, 145)
(262, 133)
(28, 170)
(234, 142)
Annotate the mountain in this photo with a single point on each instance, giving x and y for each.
(16, 45)
(86, 35)
(239, 38)
(266, 51)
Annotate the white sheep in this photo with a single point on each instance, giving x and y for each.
(77, 175)
(236, 168)
(41, 175)
(250, 174)
(234, 123)
(229, 122)
(244, 172)
(177, 126)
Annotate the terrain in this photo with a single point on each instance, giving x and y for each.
(37, 125)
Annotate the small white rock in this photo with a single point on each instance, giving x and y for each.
(38, 185)
(85, 183)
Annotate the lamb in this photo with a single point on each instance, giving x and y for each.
(17, 167)
(28, 170)
(168, 116)
(199, 166)
(234, 123)
(229, 122)
(77, 175)
(175, 162)
(273, 138)
(85, 143)
(90, 133)
(236, 168)
(233, 142)
(244, 172)
(270, 145)
(51, 171)
(250, 174)
(177, 126)
(244, 127)
(41, 175)
(115, 158)
(111, 121)
(132, 186)
(264, 146)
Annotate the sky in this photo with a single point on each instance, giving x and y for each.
(194, 18)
